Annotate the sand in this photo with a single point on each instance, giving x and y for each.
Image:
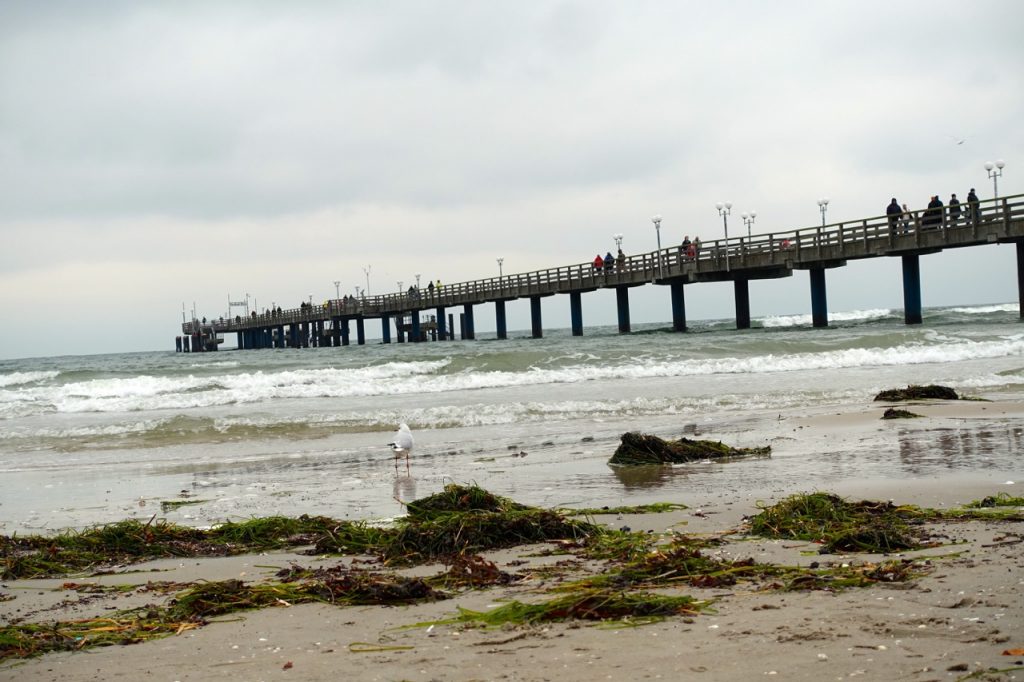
(955, 621)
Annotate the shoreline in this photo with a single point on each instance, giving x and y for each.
(953, 621)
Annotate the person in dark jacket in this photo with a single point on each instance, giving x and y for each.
(954, 210)
(609, 261)
(934, 213)
(973, 207)
(893, 211)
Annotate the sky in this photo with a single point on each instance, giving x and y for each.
(161, 155)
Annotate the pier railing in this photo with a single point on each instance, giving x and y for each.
(758, 256)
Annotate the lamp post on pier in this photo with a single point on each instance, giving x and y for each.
(367, 271)
(724, 209)
(995, 171)
(656, 219)
(337, 288)
(823, 207)
(618, 240)
(748, 220)
(500, 272)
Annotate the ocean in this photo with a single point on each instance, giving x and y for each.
(236, 434)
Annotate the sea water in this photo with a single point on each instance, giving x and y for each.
(90, 439)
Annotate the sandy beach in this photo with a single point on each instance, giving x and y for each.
(955, 620)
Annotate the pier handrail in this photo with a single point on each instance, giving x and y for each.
(747, 257)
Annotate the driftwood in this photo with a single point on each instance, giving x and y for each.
(638, 449)
(931, 392)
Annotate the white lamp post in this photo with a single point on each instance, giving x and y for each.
(724, 209)
(337, 288)
(823, 207)
(748, 220)
(500, 272)
(367, 271)
(656, 219)
(417, 280)
(618, 240)
(399, 286)
(995, 171)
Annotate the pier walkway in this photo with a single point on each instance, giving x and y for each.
(738, 259)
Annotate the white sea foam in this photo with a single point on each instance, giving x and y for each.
(145, 393)
(985, 309)
(20, 378)
(775, 321)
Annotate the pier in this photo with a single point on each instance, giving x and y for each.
(740, 260)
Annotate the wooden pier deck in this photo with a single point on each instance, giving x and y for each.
(740, 260)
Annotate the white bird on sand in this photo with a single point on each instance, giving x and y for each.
(402, 445)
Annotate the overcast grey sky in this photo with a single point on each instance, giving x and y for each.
(155, 153)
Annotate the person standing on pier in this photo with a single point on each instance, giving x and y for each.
(906, 217)
(973, 207)
(954, 210)
(598, 262)
(893, 211)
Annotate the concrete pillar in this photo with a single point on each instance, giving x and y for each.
(470, 332)
(576, 312)
(499, 319)
(360, 332)
(241, 341)
(414, 332)
(741, 287)
(281, 339)
(622, 304)
(911, 289)
(442, 330)
(819, 301)
(678, 306)
(343, 330)
(385, 328)
(462, 326)
(185, 341)
(535, 317)
(1020, 277)
(451, 327)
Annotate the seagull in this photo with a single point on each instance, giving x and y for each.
(402, 445)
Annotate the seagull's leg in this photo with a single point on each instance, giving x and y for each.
(406, 462)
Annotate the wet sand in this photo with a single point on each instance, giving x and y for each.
(956, 620)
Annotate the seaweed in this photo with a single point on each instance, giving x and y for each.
(597, 604)
(638, 449)
(840, 526)
(459, 498)
(652, 508)
(912, 392)
(997, 500)
(893, 413)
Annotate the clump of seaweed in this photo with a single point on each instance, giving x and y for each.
(997, 500)
(595, 604)
(893, 413)
(129, 541)
(452, 533)
(638, 448)
(840, 525)
(930, 392)
(460, 498)
(193, 607)
(652, 508)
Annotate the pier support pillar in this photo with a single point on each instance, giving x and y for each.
(741, 289)
(536, 324)
(576, 312)
(468, 331)
(414, 330)
(819, 301)
(241, 341)
(385, 329)
(499, 319)
(360, 332)
(343, 330)
(911, 289)
(442, 330)
(1020, 277)
(185, 344)
(678, 306)
(281, 338)
(622, 303)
